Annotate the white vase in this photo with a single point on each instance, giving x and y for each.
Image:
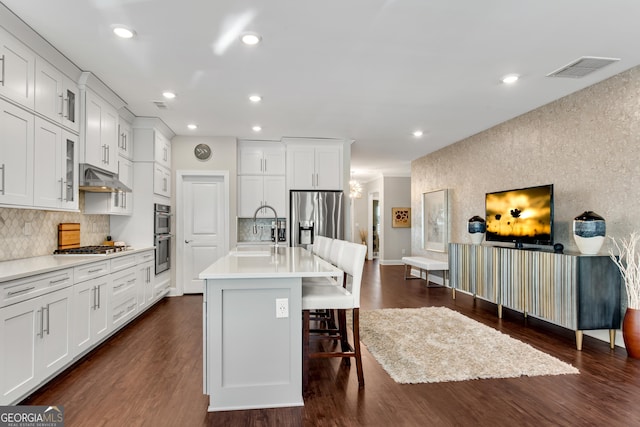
(589, 230)
(476, 228)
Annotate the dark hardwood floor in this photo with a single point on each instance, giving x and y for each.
(151, 375)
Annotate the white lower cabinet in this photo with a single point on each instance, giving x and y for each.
(123, 297)
(146, 276)
(49, 320)
(90, 313)
(36, 342)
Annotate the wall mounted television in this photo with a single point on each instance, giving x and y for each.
(524, 215)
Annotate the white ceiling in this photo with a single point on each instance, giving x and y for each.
(368, 70)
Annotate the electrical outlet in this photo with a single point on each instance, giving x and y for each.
(27, 229)
(404, 251)
(282, 307)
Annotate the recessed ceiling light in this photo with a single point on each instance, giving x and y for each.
(250, 39)
(192, 126)
(169, 95)
(257, 128)
(417, 133)
(255, 98)
(123, 32)
(510, 78)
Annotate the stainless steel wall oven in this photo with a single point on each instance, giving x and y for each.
(162, 237)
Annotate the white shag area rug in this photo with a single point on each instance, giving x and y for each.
(436, 344)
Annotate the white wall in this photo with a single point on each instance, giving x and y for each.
(223, 158)
(586, 144)
(397, 194)
(392, 192)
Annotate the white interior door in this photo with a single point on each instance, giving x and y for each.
(204, 226)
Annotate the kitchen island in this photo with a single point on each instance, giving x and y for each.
(252, 326)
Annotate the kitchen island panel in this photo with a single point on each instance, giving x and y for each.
(257, 359)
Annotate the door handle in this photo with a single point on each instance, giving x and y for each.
(188, 241)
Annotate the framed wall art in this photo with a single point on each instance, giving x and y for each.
(401, 217)
(435, 215)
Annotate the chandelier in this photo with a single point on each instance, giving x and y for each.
(355, 189)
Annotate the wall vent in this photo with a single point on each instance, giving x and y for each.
(161, 105)
(582, 67)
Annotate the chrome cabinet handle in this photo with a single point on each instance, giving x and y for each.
(60, 113)
(93, 297)
(2, 190)
(65, 101)
(61, 189)
(53, 282)
(188, 241)
(41, 333)
(94, 271)
(48, 319)
(2, 59)
(99, 299)
(21, 291)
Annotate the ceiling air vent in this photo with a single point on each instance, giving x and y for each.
(161, 105)
(582, 67)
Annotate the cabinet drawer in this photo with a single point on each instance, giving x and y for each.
(124, 310)
(122, 263)
(90, 271)
(30, 287)
(123, 284)
(144, 257)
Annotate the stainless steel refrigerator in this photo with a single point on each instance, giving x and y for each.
(315, 213)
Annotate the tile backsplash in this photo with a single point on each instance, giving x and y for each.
(27, 233)
(245, 230)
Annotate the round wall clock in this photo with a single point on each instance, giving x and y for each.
(202, 151)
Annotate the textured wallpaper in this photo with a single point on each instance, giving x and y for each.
(43, 230)
(586, 144)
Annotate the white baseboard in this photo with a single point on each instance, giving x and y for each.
(390, 262)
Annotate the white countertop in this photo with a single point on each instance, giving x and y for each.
(25, 267)
(261, 262)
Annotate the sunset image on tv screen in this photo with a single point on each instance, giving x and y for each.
(516, 214)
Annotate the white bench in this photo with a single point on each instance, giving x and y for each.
(424, 264)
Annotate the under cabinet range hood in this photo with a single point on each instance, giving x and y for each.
(96, 180)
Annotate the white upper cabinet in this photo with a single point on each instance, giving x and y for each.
(56, 96)
(261, 158)
(314, 166)
(17, 70)
(161, 180)
(151, 145)
(100, 133)
(48, 188)
(16, 155)
(255, 191)
(55, 167)
(162, 150)
(125, 140)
